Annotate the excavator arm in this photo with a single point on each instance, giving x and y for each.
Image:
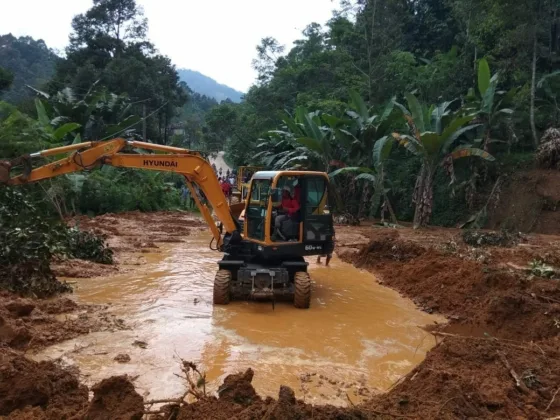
(91, 155)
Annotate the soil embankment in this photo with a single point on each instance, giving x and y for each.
(499, 356)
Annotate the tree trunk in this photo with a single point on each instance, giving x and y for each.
(165, 128)
(390, 208)
(423, 197)
(533, 87)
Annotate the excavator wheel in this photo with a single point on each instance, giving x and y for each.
(302, 283)
(222, 287)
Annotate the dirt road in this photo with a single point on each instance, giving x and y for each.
(498, 357)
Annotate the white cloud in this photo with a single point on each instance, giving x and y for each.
(216, 37)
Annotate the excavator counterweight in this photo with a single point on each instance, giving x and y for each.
(286, 214)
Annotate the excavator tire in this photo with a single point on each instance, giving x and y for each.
(302, 283)
(222, 287)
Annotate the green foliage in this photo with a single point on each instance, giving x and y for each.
(113, 190)
(87, 246)
(109, 49)
(29, 240)
(6, 79)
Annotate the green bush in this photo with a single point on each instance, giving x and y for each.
(114, 191)
(29, 240)
(87, 246)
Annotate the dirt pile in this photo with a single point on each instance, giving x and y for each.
(238, 400)
(481, 296)
(476, 378)
(115, 398)
(504, 325)
(30, 390)
(31, 324)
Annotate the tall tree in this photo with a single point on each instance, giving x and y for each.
(6, 79)
(30, 62)
(108, 48)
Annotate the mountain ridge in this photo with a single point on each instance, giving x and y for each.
(205, 85)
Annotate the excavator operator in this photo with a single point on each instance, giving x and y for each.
(289, 208)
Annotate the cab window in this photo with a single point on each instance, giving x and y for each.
(317, 196)
(257, 208)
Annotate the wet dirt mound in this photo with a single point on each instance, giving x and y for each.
(528, 203)
(76, 268)
(30, 390)
(115, 398)
(385, 245)
(475, 378)
(238, 400)
(29, 324)
(238, 389)
(494, 300)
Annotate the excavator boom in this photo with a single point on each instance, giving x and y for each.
(90, 155)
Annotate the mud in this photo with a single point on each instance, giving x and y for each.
(497, 357)
(129, 234)
(30, 390)
(27, 324)
(356, 340)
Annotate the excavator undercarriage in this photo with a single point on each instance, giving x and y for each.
(256, 264)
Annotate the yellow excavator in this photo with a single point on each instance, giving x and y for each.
(263, 252)
(244, 174)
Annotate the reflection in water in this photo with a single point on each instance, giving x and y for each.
(356, 330)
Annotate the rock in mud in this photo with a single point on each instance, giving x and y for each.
(58, 306)
(115, 398)
(238, 389)
(122, 358)
(20, 307)
(286, 407)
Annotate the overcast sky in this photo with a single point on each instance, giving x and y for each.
(216, 37)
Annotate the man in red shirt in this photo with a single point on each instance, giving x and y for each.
(289, 207)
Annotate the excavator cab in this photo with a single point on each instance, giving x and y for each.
(286, 218)
(289, 208)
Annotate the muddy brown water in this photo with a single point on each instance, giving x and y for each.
(356, 334)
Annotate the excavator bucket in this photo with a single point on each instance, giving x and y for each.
(4, 172)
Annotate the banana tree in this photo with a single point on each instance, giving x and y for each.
(376, 175)
(54, 129)
(433, 137)
(364, 132)
(491, 106)
(100, 113)
(304, 141)
(359, 134)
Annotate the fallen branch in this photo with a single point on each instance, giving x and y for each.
(165, 401)
(444, 404)
(510, 343)
(518, 382)
(552, 400)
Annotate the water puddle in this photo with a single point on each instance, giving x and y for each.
(356, 335)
